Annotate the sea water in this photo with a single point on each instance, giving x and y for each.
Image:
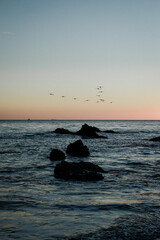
(36, 205)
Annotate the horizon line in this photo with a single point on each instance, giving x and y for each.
(54, 119)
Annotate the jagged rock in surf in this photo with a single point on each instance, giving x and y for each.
(78, 149)
(77, 171)
(85, 131)
(57, 155)
(89, 131)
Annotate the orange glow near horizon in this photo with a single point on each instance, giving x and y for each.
(83, 111)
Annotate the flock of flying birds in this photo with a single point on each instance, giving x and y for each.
(100, 99)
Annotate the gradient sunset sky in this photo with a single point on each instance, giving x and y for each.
(70, 48)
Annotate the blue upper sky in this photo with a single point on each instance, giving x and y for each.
(81, 32)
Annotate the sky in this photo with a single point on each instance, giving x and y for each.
(72, 47)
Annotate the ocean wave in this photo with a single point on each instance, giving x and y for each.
(139, 227)
(16, 204)
(41, 134)
(138, 164)
(97, 207)
(9, 152)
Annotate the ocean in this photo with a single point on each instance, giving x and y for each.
(36, 205)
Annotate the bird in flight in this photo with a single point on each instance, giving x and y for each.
(86, 100)
(75, 98)
(63, 96)
(99, 87)
(51, 94)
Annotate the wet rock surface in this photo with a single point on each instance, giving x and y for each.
(89, 131)
(78, 171)
(78, 149)
(90, 167)
(57, 155)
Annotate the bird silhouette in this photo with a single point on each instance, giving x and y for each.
(99, 87)
(63, 96)
(51, 94)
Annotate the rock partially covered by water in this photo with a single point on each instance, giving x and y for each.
(155, 139)
(85, 131)
(63, 131)
(78, 149)
(57, 155)
(78, 171)
(109, 131)
(89, 131)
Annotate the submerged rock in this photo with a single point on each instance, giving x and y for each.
(155, 139)
(109, 131)
(57, 155)
(78, 149)
(63, 131)
(78, 171)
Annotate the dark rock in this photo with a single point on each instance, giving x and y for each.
(155, 139)
(63, 131)
(57, 155)
(95, 129)
(76, 171)
(89, 131)
(85, 131)
(78, 149)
